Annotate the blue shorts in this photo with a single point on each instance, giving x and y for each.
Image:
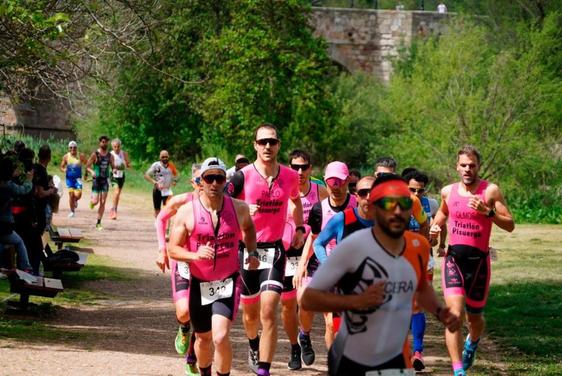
(74, 184)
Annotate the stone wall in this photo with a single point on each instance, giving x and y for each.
(367, 39)
(41, 118)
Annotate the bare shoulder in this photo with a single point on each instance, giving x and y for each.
(493, 191)
(239, 205)
(446, 190)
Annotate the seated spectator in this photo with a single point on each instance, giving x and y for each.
(8, 189)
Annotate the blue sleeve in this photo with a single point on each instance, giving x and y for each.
(20, 190)
(331, 231)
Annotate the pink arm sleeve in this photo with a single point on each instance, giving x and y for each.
(161, 223)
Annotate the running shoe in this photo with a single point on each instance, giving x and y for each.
(99, 227)
(459, 372)
(191, 369)
(295, 360)
(182, 342)
(92, 205)
(469, 353)
(253, 357)
(71, 215)
(417, 361)
(305, 343)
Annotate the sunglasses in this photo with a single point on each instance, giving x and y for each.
(265, 141)
(363, 193)
(390, 203)
(417, 190)
(209, 179)
(335, 182)
(297, 167)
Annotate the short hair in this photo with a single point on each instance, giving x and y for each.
(194, 168)
(44, 153)
(298, 153)
(417, 176)
(469, 150)
(103, 137)
(355, 173)
(407, 171)
(18, 146)
(367, 178)
(268, 126)
(387, 162)
(26, 154)
(387, 177)
(116, 141)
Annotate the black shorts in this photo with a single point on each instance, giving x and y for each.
(343, 366)
(201, 315)
(466, 271)
(293, 255)
(100, 185)
(271, 279)
(157, 199)
(118, 181)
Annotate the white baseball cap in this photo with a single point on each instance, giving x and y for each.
(212, 163)
(72, 144)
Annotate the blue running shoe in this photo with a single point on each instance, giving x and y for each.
(460, 372)
(468, 353)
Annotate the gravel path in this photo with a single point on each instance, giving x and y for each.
(132, 333)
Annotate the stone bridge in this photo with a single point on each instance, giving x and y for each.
(358, 39)
(367, 39)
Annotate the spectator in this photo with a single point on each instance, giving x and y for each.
(441, 8)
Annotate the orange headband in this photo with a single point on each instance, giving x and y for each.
(391, 188)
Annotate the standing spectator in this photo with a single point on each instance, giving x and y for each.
(441, 8)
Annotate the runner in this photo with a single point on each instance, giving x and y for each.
(469, 207)
(162, 174)
(267, 187)
(71, 165)
(98, 165)
(240, 161)
(179, 272)
(354, 176)
(378, 270)
(310, 194)
(336, 178)
(207, 237)
(121, 159)
(417, 182)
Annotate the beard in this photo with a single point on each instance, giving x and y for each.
(385, 225)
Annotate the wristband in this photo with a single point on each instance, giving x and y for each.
(253, 254)
(301, 229)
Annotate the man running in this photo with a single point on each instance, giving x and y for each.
(122, 162)
(71, 165)
(378, 270)
(310, 194)
(98, 165)
(336, 177)
(207, 236)
(179, 272)
(470, 207)
(267, 187)
(417, 182)
(162, 175)
(240, 161)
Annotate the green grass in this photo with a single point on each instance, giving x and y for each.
(524, 310)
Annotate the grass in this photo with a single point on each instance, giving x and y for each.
(97, 268)
(523, 314)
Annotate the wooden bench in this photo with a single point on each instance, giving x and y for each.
(61, 235)
(27, 285)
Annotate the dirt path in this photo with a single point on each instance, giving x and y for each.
(133, 332)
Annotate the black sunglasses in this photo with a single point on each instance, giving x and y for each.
(265, 141)
(363, 192)
(417, 190)
(297, 167)
(209, 179)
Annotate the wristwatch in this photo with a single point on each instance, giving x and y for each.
(491, 213)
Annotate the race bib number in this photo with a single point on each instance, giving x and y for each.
(166, 192)
(391, 372)
(117, 173)
(266, 257)
(183, 269)
(291, 266)
(215, 290)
